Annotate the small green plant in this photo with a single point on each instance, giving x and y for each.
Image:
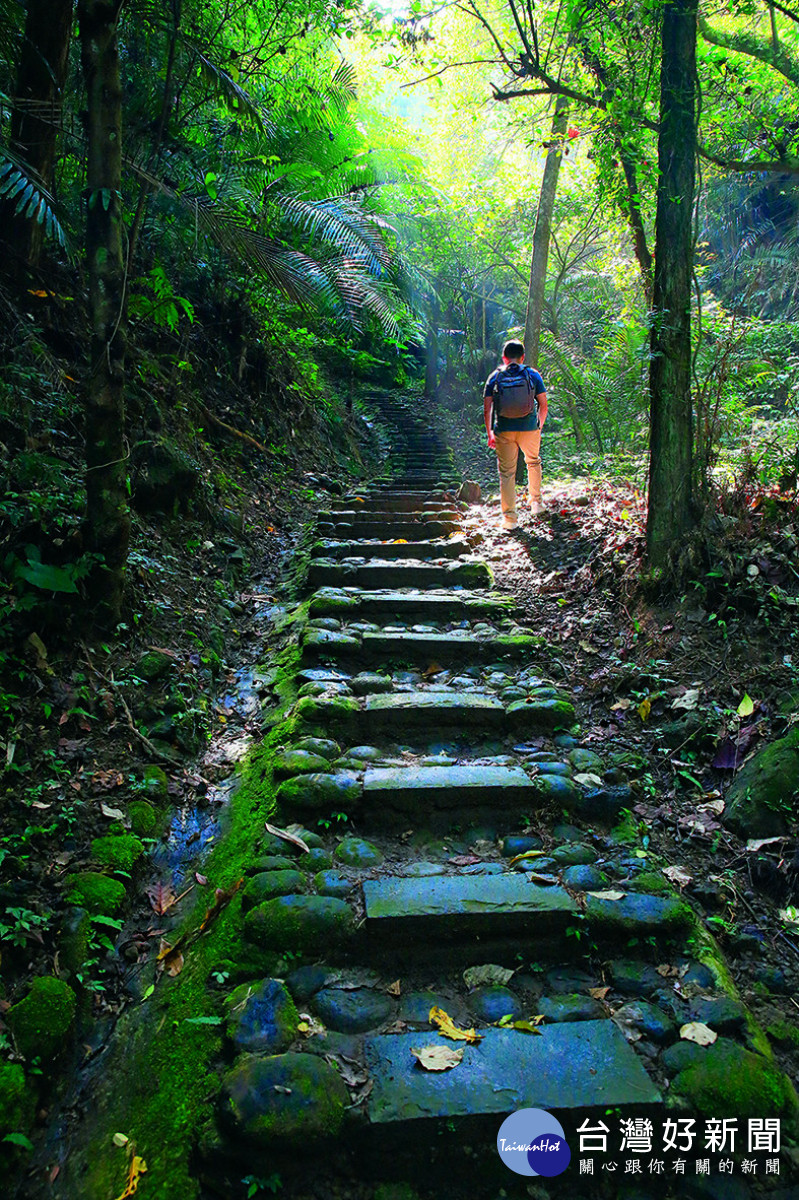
(257, 1185)
(220, 977)
(20, 924)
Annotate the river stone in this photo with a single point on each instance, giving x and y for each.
(681, 1055)
(539, 865)
(289, 1099)
(697, 973)
(634, 978)
(605, 803)
(490, 1004)
(571, 1007)
(339, 711)
(638, 915)
(325, 747)
(511, 846)
(557, 789)
(317, 859)
(511, 695)
(761, 801)
(324, 623)
(563, 980)
(304, 982)
(353, 1010)
(652, 1021)
(574, 854)
(554, 768)
(564, 741)
(261, 1018)
(365, 754)
(319, 791)
(295, 762)
(324, 689)
(537, 712)
(722, 1013)
(271, 883)
(357, 852)
(585, 760)
(307, 924)
(370, 682)
(485, 868)
(333, 883)
(415, 1008)
(584, 877)
(272, 862)
(424, 870)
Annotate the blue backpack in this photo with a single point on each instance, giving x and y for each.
(514, 393)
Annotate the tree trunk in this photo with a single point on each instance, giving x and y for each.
(543, 228)
(637, 223)
(107, 524)
(35, 117)
(431, 366)
(669, 513)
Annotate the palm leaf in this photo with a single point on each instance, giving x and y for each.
(21, 186)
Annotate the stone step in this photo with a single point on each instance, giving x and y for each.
(449, 548)
(364, 516)
(323, 572)
(437, 606)
(397, 502)
(411, 531)
(453, 646)
(578, 1065)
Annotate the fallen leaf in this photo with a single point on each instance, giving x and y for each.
(528, 854)
(162, 898)
(310, 1027)
(40, 804)
(113, 814)
(437, 1058)
(350, 1071)
(588, 779)
(222, 897)
(120, 1139)
(598, 993)
(688, 700)
(171, 957)
(201, 879)
(621, 705)
(448, 1028)
(433, 669)
(714, 806)
(395, 988)
(667, 971)
(644, 709)
(746, 707)
(487, 975)
(678, 875)
(524, 1025)
(464, 860)
(696, 1031)
(759, 843)
(287, 837)
(588, 648)
(138, 1167)
(609, 895)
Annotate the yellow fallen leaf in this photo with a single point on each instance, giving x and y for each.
(120, 1139)
(524, 857)
(644, 709)
(395, 988)
(138, 1167)
(746, 707)
(608, 895)
(528, 1025)
(448, 1028)
(588, 648)
(696, 1031)
(437, 1058)
(598, 993)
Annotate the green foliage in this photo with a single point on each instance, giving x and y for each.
(42, 1020)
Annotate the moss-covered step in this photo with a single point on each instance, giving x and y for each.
(397, 502)
(405, 712)
(459, 645)
(409, 572)
(413, 919)
(571, 1066)
(401, 548)
(361, 515)
(339, 527)
(441, 605)
(637, 915)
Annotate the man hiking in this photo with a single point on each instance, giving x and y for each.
(515, 409)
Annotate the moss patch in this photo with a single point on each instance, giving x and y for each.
(144, 819)
(737, 1082)
(95, 892)
(117, 853)
(16, 1101)
(41, 1022)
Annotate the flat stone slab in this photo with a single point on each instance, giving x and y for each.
(430, 710)
(328, 572)
(451, 548)
(446, 786)
(421, 529)
(587, 1064)
(439, 606)
(459, 645)
(364, 515)
(398, 502)
(457, 895)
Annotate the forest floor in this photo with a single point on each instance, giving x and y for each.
(693, 684)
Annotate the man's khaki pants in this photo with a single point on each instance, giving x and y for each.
(508, 445)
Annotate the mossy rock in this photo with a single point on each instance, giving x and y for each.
(315, 792)
(97, 893)
(155, 786)
(272, 862)
(761, 801)
(261, 1017)
(40, 1023)
(154, 665)
(74, 934)
(144, 819)
(539, 712)
(330, 712)
(297, 762)
(284, 1100)
(268, 884)
(117, 853)
(308, 924)
(357, 852)
(650, 881)
(737, 1082)
(325, 747)
(16, 1100)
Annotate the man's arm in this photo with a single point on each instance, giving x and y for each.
(542, 408)
(488, 402)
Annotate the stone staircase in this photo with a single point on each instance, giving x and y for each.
(427, 720)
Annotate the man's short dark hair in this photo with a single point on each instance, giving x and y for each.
(513, 350)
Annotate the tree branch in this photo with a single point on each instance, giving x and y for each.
(753, 47)
(776, 166)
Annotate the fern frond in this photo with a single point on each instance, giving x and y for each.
(20, 186)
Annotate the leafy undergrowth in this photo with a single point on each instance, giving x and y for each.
(692, 686)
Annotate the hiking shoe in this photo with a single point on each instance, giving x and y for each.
(536, 507)
(509, 523)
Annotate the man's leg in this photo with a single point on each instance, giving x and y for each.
(530, 442)
(507, 451)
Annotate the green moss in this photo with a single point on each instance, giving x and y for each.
(95, 892)
(155, 785)
(737, 1082)
(117, 853)
(16, 1100)
(650, 881)
(42, 1020)
(143, 818)
(784, 1034)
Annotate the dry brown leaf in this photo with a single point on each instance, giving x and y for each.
(528, 854)
(287, 837)
(395, 988)
(201, 879)
(598, 993)
(448, 1028)
(668, 971)
(222, 897)
(171, 958)
(437, 1058)
(608, 895)
(678, 875)
(433, 669)
(113, 814)
(621, 705)
(162, 898)
(696, 1031)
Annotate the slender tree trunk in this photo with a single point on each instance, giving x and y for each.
(431, 366)
(541, 236)
(107, 524)
(640, 247)
(35, 118)
(669, 513)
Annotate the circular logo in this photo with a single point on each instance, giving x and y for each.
(532, 1142)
